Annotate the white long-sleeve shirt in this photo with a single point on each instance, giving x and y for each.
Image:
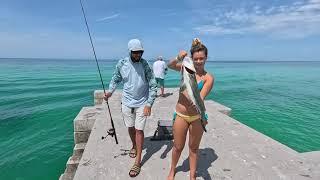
(139, 85)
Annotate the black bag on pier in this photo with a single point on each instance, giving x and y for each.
(164, 131)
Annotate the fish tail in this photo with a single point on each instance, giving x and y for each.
(203, 126)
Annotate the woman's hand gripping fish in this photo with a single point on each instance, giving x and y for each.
(189, 83)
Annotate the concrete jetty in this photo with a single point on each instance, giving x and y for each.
(229, 150)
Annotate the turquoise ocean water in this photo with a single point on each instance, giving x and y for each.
(41, 97)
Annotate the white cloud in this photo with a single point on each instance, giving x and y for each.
(218, 30)
(108, 17)
(297, 20)
(54, 44)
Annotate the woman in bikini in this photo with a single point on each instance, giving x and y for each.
(187, 118)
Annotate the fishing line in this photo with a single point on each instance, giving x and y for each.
(112, 131)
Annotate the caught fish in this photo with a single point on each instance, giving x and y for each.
(189, 83)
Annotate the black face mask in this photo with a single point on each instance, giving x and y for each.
(134, 60)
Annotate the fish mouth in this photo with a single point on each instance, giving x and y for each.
(190, 71)
(188, 64)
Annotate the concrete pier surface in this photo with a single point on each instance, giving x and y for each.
(229, 150)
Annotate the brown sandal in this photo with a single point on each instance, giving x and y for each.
(135, 169)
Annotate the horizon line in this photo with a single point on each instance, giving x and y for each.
(152, 59)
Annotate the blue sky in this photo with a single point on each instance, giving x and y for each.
(231, 29)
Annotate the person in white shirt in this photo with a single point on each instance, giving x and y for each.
(138, 95)
(159, 70)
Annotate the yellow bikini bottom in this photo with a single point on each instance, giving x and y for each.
(188, 119)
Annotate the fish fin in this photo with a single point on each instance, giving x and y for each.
(183, 87)
(204, 127)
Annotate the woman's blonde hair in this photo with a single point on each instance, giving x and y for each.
(198, 46)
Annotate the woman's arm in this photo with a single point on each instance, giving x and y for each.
(207, 87)
(175, 63)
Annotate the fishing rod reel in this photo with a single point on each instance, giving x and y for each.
(111, 132)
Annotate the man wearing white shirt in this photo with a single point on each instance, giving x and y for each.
(138, 95)
(159, 70)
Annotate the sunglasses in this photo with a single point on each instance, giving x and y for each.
(137, 52)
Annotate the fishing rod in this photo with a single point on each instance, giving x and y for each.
(112, 131)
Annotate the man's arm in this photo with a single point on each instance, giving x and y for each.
(116, 77)
(152, 84)
(165, 68)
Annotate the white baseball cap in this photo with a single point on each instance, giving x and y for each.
(135, 45)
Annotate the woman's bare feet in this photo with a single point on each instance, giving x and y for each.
(193, 176)
(171, 175)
